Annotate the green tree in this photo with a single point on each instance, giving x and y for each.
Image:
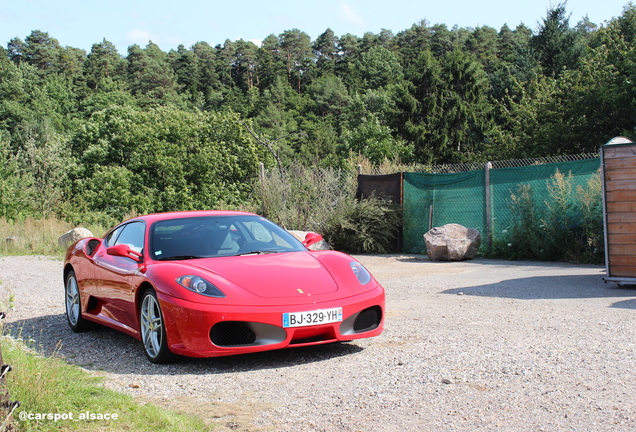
(557, 45)
(329, 95)
(525, 112)
(151, 78)
(14, 196)
(15, 50)
(483, 44)
(348, 49)
(168, 159)
(448, 116)
(413, 40)
(279, 114)
(270, 60)
(326, 51)
(375, 142)
(186, 69)
(296, 47)
(245, 65)
(44, 163)
(39, 50)
(103, 63)
(223, 63)
(378, 67)
(209, 85)
(27, 98)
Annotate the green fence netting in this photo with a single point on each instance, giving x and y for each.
(506, 181)
(432, 200)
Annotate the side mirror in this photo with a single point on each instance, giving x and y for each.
(125, 251)
(311, 238)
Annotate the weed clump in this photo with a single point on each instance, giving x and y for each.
(568, 226)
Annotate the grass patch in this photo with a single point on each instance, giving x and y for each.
(33, 236)
(46, 386)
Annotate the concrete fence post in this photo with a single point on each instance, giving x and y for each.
(488, 233)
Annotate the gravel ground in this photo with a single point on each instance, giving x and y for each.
(479, 345)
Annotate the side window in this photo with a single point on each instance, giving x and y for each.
(133, 236)
(112, 237)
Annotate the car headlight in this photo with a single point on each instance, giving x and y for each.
(363, 275)
(200, 286)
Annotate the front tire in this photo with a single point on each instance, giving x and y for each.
(153, 329)
(74, 305)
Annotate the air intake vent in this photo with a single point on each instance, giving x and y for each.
(368, 319)
(232, 333)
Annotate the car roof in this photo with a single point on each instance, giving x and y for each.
(191, 213)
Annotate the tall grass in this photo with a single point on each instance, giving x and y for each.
(31, 236)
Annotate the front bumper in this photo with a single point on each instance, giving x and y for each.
(204, 330)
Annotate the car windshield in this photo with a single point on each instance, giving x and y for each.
(216, 236)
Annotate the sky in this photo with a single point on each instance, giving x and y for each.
(81, 23)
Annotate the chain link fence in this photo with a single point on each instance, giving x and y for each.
(476, 195)
(493, 197)
(304, 198)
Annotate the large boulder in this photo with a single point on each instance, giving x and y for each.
(73, 235)
(452, 242)
(321, 245)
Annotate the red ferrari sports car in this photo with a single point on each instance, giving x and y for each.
(216, 283)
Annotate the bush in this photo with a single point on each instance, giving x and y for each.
(364, 226)
(566, 227)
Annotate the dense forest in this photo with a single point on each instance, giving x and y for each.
(153, 130)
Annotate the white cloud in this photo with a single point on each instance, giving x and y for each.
(350, 15)
(257, 42)
(139, 37)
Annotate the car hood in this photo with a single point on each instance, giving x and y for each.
(279, 275)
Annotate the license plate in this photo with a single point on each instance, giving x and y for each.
(300, 319)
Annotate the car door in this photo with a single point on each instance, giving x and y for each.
(116, 275)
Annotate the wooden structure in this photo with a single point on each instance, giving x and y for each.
(618, 170)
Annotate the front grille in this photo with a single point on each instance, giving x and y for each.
(308, 340)
(232, 333)
(368, 319)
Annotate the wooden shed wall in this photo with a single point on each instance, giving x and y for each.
(619, 169)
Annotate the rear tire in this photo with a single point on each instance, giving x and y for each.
(153, 329)
(74, 305)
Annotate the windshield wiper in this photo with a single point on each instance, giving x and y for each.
(257, 252)
(179, 257)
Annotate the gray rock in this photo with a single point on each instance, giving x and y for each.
(452, 242)
(73, 235)
(13, 239)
